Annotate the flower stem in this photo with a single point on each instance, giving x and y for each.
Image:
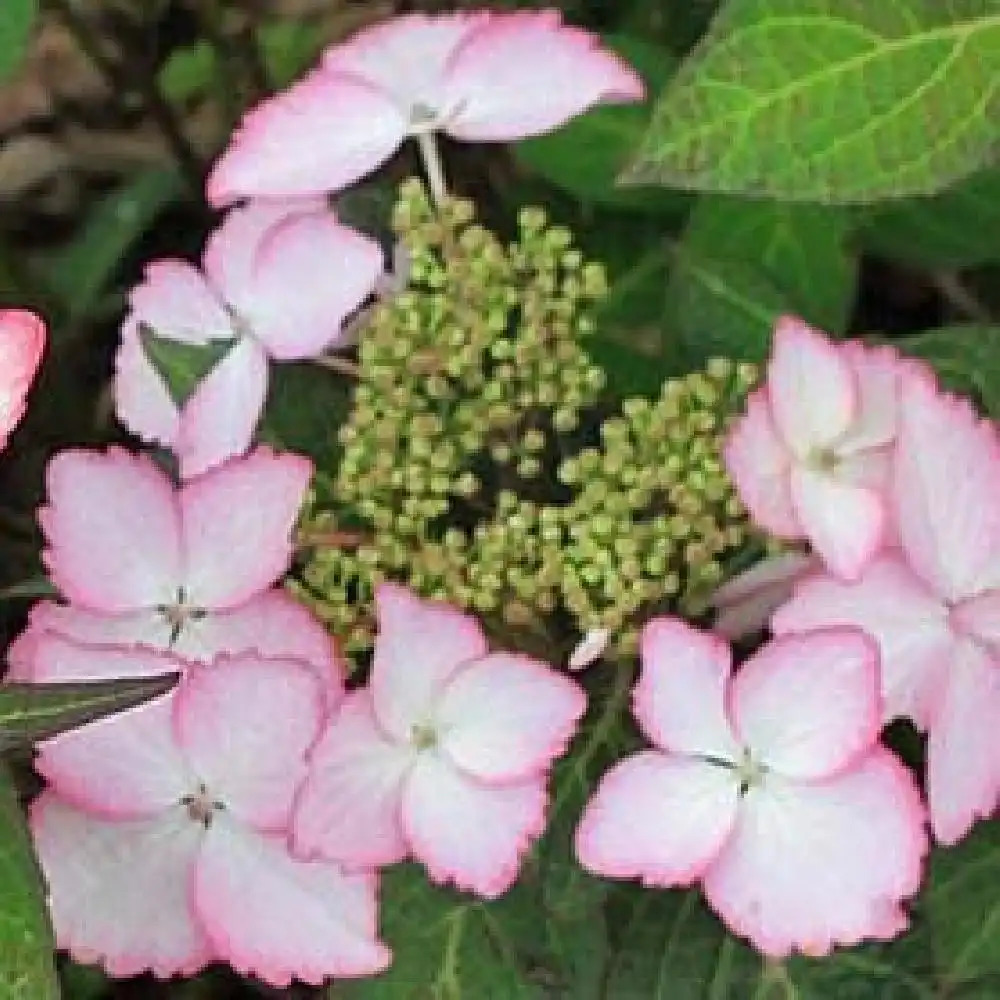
(431, 155)
(336, 363)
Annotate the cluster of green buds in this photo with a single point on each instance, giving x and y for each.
(465, 470)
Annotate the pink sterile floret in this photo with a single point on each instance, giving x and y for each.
(478, 76)
(444, 756)
(163, 835)
(278, 279)
(933, 603)
(810, 457)
(22, 340)
(768, 787)
(186, 568)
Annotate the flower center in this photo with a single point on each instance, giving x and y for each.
(749, 772)
(201, 807)
(423, 736)
(178, 614)
(823, 460)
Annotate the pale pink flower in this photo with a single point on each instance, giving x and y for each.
(744, 604)
(185, 568)
(444, 756)
(22, 341)
(279, 279)
(477, 76)
(163, 833)
(933, 604)
(768, 787)
(811, 455)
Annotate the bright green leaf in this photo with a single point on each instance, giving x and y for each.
(30, 712)
(966, 358)
(27, 971)
(445, 946)
(831, 100)
(585, 156)
(958, 228)
(82, 270)
(16, 20)
(182, 366)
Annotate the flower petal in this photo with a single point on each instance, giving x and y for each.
(661, 817)
(220, 417)
(898, 611)
(112, 530)
(348, 808)
(963, 758)
(419, 645)
(978, 617)
(119, 892)
(466, 833)
(279, 919)
(844, 523)
(947, 483)
(142, 401)
(680, 696)
(246, 725)
(527, 73)
(175, 301)
(759, 463)
(810, 866)
(238, 522)
(22, 340)
(744, 603)
(295, 310)
(320, 135)
(811, 387)
(124, 766)
(878, 371)
(507, 717)
(809, 705)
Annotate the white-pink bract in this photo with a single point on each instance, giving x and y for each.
(477, 76)
(933, 604)
(163, 833)
(182, 568)
(22, 341)
(768, 787)
(444, 756)
(810, 457)
(278, 279)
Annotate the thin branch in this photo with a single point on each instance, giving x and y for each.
(949, 285)
(339, 364)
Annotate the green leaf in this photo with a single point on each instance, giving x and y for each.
(288, 47)
(585, 156)
(29, 590)
(966, 358)
(956, 229)
(962, 900)
(16, 20)
(445, 946)
(31, 712)
(182, 366)
(82, 270)
(27, 971)
(831, 100)
(188, 72)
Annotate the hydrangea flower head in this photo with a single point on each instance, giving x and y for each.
(168, 849)
(933, 604)
(279, 279)
(185, 569)
(811, 455)
(444, 756)
(478, 76)
(22, 341)
(768, 787)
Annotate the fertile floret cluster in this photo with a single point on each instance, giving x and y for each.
(474, 379)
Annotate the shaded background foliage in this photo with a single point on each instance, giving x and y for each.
(110, 112)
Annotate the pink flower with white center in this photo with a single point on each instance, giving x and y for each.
(933, 604)
(22, 341)
(279, 279)
(810, 457)
(768, 787)
(184, 568)
(477, 76)
(444, 756)
(163, 834)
